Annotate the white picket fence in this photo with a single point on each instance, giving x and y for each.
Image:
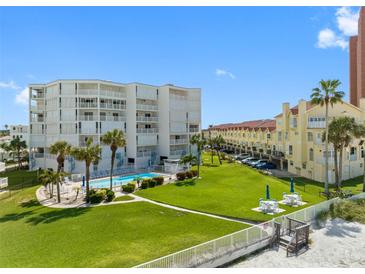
(230, 247)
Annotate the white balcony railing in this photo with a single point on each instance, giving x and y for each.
(193, 130)
(146, 119)
(178, 141)
(37, 120)
(87, 118)
(112, 93)
(141, 154)
(87, 92)
(353, 157)
(112, 106)
(112, 118)
(177, 152)
(88, 105)
(38, 155)
(147, 107)
(147, 130)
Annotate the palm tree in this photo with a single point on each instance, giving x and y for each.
(200, 142)
(188, 159)
(48, 178)
(340, 133)
(115, 139)
(211, 143)
(327, 94)
(17, 148)
(90, 155)
(62, 149)
(218, 143)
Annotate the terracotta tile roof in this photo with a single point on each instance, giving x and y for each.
(256, 124)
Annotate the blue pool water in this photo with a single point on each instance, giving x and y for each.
(118, 181)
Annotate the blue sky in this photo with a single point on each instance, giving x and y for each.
(247, 60)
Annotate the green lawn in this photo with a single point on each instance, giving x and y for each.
(233, 190)
(121, 235)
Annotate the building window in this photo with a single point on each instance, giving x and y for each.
(279, 136)
(291, 163)
(311, 154)
(290, 150)
(309, 136)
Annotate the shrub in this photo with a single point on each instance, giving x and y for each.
(189, 174)
(144, 184)
(159, 180)
(181, 176)
(195, 173)
(97, 196)
(129, 188)
(109, 195)
(151, 183)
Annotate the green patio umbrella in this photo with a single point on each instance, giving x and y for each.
(267, 192)
(291, 185)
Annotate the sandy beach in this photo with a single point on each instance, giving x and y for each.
(337, 244)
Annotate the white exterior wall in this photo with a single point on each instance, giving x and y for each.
(58, 109)
(20, 131)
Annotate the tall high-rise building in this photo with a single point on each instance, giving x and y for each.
(357, 62)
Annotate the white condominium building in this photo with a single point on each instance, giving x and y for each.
(158, 121)
(20, 131)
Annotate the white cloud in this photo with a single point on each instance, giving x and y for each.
(327, 38)
(9, 85)
(222, 72)
(347, 21)
(22, 98)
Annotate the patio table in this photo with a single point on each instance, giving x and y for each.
(292, 199)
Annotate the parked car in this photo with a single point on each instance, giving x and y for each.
(250, 160)
(261, 161)
(242, 156)
(267, 165)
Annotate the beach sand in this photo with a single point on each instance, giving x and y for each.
(337, 244)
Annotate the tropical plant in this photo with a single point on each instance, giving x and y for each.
(199, 142)
(188, 159)
(90, 155)
(49, 178)
(218, 143)
(115, 139)
(62, 149)
(341, 131)
(17, 148)
(327, 95)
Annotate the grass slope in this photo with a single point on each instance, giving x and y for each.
(231, 190)
(121, 235)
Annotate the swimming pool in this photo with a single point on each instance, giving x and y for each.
(118, 181)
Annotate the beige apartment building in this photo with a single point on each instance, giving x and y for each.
(293, 140)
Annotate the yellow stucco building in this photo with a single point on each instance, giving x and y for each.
(293, 139)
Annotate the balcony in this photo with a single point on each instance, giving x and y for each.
(110, 118)
(353, 157)
(178, 141)
(146, 119)
(147, 130)
(37, 120)
(143, 154)
(316, 123)
(88, 92)
(111, 93)
(178, 152)
(112, 106)
(193, 130)
(87, 118)
(147, 107)
(38, 155)
(88, 105)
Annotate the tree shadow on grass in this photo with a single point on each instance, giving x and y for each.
(185, 183)
(30, 203)
(15, 216)
(55, 215)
